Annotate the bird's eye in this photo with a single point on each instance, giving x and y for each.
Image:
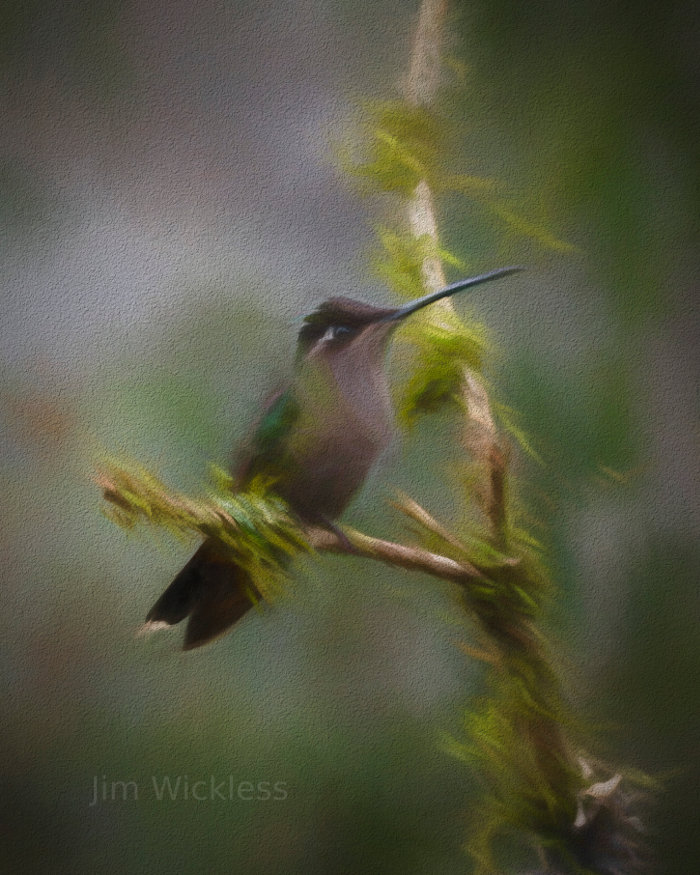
(341, 332)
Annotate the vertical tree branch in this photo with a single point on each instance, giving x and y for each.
(480, 434)
(546, 776)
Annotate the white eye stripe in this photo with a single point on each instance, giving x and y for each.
(336, 332)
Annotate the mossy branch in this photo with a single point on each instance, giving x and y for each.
(254, 526)
(519, 735)
(257, 527)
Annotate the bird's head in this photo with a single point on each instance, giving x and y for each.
(341, 324)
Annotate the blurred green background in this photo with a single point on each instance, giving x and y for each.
(171, 208)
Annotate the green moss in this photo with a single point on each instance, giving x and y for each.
(255, 525)
(402, 146)
(442, 351)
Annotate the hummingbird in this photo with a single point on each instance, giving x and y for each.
(315, 442)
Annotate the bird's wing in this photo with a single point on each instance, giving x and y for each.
(265, 451)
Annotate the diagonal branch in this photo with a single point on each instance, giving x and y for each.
(412, 558)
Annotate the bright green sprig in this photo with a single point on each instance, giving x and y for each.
(255, 525)
(444, 347)
(442, 352)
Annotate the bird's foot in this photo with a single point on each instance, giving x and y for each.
(347, 545)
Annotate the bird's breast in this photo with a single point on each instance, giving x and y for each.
(339, 434)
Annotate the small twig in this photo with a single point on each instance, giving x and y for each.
(416, 512)
(392, 553)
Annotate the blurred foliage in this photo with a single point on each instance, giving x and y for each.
(404, 144)
(441, 349)
(592, 110)
(399, 259)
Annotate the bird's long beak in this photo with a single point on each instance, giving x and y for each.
(445, 292)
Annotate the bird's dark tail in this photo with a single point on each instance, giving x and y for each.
(211, 590)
